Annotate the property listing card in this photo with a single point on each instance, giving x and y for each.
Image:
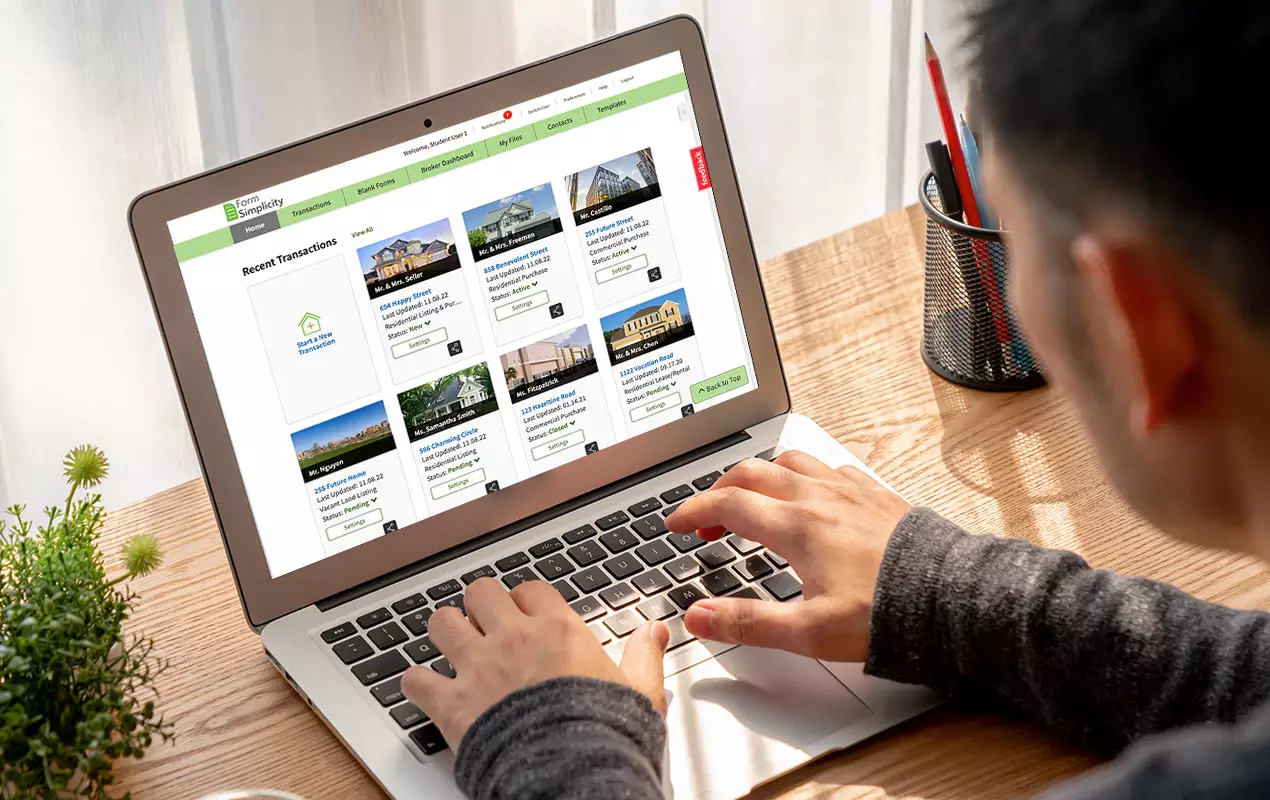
(621, 224)
(653, 349)
(557, 398)
(459, 443)
(523, 263)
(353, 477)
(420, 301)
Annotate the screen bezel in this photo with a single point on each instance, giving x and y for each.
(264, 597)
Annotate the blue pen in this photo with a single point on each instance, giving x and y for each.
(971, 151)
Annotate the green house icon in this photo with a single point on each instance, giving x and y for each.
(310, 324)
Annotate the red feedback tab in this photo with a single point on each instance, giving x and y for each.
(699, 167)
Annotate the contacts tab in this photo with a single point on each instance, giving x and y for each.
(255, 226)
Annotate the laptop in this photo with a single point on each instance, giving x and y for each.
(503, 331)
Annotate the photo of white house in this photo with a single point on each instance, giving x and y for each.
(510, 215)
(447, 395)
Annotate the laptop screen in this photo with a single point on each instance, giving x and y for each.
(425, 325)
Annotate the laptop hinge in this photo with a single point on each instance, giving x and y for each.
(400, 574)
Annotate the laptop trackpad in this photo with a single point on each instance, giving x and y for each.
(749, 714)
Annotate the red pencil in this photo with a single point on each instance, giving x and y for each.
(946, 118)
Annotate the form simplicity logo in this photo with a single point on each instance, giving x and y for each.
(231, 212)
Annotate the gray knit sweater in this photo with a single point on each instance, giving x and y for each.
(1113, 662)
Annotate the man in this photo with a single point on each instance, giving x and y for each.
(1140, 241)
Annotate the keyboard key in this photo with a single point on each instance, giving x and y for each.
(623, 566)
(619, 595)
(553, 567)
(388, 692)
(421, 650)
(373, 618)
(753, 568)
(651, 582)
(683, 542)
(624, 622)
(518, 576)
(683, 568)
(668, 510)
(742, 545)
(511, 562)
(588, 580)
(777, 559)
(612, 520)
(748, 593)
(546, 548)
(589, 608)
(341, 631)
(644, 507)
(456, 602)
(386, 636)
(706, 481)
(601, 632)
(354, 649)
(655, 553)
(783, 585)
(676, 494)
(429, 739)
(678, 633)
(407, 604)
(649, 527)
(566, 590)
(408, 715)
(417, 623)
(686, 595)
(715, 555)
(444, 589)
(443, 666)
(382, 666)
(480, 572)
(618, 540)
(721, 582)
(578, 534)
(587, 553)
(658, 607)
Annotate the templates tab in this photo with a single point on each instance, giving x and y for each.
(621, 222)
(313, 339)
(353, 478)
(523, 263)
(557, 398)
(420, 300)
(653, 349)
(459, 443)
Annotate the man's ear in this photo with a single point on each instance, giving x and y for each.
(1148, 316)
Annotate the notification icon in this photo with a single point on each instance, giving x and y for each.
(507, 114)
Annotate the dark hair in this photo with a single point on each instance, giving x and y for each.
(1150, 103)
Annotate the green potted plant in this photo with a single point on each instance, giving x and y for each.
(75, 692)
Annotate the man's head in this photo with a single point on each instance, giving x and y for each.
(1123, 157)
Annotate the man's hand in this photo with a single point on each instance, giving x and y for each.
(832, 526)
(511, 640)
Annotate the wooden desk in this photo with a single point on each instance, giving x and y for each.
(847, 312)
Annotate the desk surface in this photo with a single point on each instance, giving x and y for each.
(848, 318)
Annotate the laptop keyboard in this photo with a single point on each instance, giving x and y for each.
(616, 573)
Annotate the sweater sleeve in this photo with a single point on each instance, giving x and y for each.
(1102, 657)
(567, 738)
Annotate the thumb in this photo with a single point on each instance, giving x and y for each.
(642, 662)
(754, 622)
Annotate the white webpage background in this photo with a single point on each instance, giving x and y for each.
(244, 382)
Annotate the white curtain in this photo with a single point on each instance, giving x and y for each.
(102, 99)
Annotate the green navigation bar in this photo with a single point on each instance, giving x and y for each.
(377, 185)
(313, 207)
(431, 167)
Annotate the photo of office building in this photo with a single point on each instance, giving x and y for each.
(563, 354)
(612, 179)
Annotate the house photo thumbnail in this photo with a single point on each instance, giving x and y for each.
(603, 182)
(351, 436)
(447, 395)
(496, 222)
(565, 354)
(415, 255)
(665, 319)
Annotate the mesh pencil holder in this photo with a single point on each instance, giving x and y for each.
(969, 336)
